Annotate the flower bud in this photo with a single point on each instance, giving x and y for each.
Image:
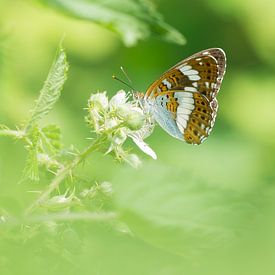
(134, 120)
(120, 136)
(59, 202)
(111, 123)
(45, 159)
(98, 101)
(133, 160)
(124, 110)
(118, 100)
(106, 188)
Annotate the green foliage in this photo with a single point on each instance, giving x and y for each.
(43, 144)
(205, 209)
(45, 140)
(132, 20)
(51, 136)
(181, 215)
(31, 169)
(51, 90)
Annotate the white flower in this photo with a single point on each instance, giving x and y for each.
(144, 147)
(111, 123)
(98, 101)
(118, 100)
(139, 135)
(119, 119)
(120, 136)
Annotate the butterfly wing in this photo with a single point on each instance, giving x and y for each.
(183, 100)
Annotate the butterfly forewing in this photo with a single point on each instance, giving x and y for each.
(187, 93)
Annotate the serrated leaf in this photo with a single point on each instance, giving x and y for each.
(51, 136)
(166, 207)
(133, 20)
(51, 90)
(31, 167)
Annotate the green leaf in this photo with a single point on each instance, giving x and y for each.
(167, 208)
(31, 167)
(133, 20)
(51, 90)
(51, 136)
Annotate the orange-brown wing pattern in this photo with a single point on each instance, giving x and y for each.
(188, 92)
(200, 122)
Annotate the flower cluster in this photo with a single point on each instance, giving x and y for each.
(117, 119)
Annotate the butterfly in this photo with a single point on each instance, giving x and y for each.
(183, 100)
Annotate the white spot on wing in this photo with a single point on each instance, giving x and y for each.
(180, 95)
(184, 68)
(181, 123)
(183, 111)
(190, 72)
(207, 85)
(188, 100)
(167, 83)
(188, 106)
(195, 84)
(183, 95)
(194, 77)
(190, 89)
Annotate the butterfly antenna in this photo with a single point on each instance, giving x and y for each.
(123, 82)
(126, 75)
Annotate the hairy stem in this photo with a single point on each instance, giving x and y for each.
(18, 134)
(64, 172)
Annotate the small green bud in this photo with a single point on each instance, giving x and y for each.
(134, 121)
(123, 110)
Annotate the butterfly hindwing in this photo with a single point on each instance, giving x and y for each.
(195, 119)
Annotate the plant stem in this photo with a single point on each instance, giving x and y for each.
(64, 172)
(12, 133)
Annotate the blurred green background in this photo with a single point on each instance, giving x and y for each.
(205, 209)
